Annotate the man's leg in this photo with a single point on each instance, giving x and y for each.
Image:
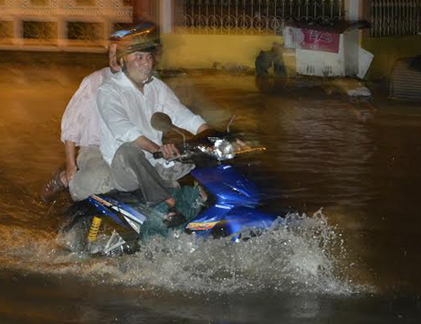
(174, 173)
(93, 176)
(131, 171)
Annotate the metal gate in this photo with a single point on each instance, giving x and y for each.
(405, 81)
(395, 17)
(255, 16)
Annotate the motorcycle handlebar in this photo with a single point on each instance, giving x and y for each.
(160, 155)
(199, 138)
(157, 155)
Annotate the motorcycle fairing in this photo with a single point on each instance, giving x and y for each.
(233, 219)
(236, 202)
(228, 185)
(234, 208)
(106, 204)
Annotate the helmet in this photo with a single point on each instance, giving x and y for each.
(143, 37)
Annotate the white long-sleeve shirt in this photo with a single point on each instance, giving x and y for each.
(125, 113)
(80, 121)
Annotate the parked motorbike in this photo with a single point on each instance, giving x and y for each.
(221, 203)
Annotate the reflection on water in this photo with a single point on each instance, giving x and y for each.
(321, 154)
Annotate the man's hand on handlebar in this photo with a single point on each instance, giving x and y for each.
(169, 151)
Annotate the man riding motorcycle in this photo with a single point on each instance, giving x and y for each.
(126, 103)
(80, 128)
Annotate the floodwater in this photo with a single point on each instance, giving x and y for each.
(350, 168)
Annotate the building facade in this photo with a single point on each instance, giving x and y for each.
(395, 33)
(202, 32)
(65, 25)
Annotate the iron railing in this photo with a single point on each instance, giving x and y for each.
(395, 17)
(44, 32)
(6, 31)
(60, 22)
(255, 16)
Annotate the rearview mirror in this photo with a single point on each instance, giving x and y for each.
(161, 122)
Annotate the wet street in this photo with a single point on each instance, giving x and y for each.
(349, 168)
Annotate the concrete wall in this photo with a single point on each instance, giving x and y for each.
(201, 51)
(387, 50)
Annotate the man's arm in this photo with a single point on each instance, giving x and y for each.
(71, 167)
(79, 108)
(168, 150)
(180, 115)
(146, 144)
(202, 128)
(76, 118)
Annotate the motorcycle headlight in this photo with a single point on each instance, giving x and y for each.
(223, 150)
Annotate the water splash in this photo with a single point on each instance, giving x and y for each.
(298, 259)
(306, 257)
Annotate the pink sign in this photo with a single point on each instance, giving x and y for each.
(317, 40)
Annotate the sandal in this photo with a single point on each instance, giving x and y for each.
(173, 218)
(53, 186)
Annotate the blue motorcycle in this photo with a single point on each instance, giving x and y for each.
(221, 203)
